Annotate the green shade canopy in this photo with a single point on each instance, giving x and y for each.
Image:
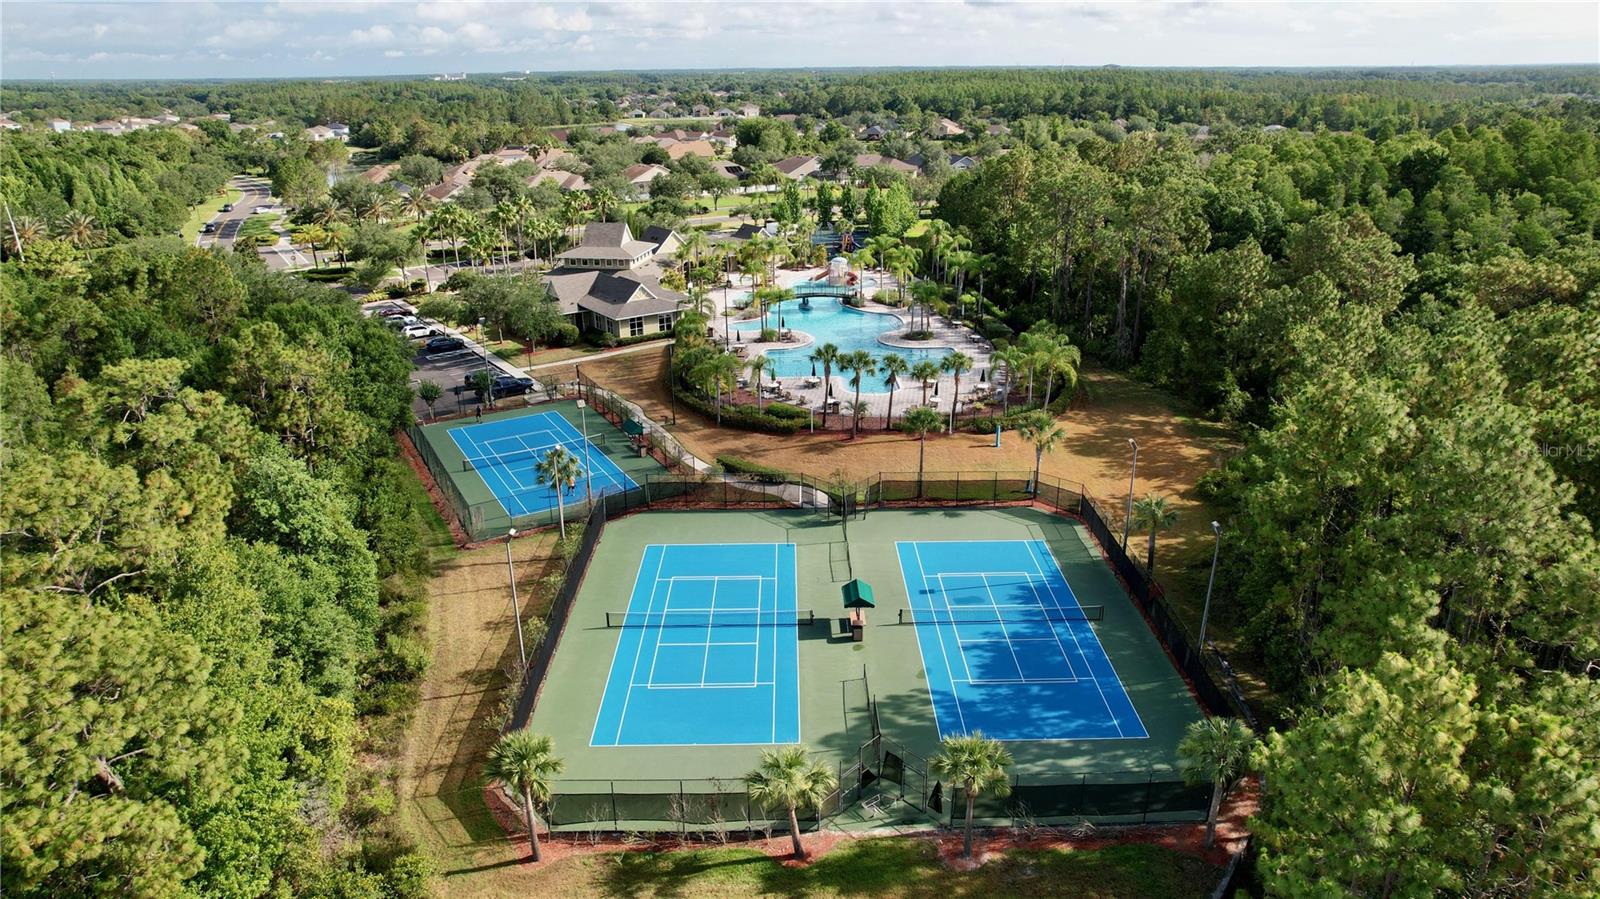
(632, 428)
(858, 595)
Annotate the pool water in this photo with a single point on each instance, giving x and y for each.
(830, 321)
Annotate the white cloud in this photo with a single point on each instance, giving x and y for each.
(182, 39)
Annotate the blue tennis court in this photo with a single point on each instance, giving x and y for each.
(708, 650)
(1006, 647)
(506, 453)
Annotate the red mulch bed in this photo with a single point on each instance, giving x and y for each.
(988, 843)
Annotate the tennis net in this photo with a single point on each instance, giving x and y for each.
(1001, 616)
(707, 618)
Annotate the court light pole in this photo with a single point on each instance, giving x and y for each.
(588, 488)
(516, 613)
(1205, 611)
(1127, 517)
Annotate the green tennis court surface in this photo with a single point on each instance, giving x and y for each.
(832, 709)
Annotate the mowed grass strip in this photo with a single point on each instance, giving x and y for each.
(888, 867)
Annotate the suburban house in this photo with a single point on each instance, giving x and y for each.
(378, 174)
(106, 127)
(640, 175)
(749, 111)
(512, 155)
(566, 181)
(319, 133)
(7, 124)
(963, 163)
(870, 160)
(948, 128)
(340, 130)
(60, 125)
(441, 192)
(550, 157)
(728, 169)
(726, 138)
(167, 118)
(611, 282)
(680, 148)
(797, 167)
(660, 112)
(725, 113)
(998, 130)
(875, 132)
(700, 110)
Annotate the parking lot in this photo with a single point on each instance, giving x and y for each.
(447, 369)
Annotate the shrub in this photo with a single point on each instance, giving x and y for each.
(788, 412)
(918, 335)
(747, 417)
(995, 329)
(763, 473)
(769, 335)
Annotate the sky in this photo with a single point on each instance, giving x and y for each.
(336, 37)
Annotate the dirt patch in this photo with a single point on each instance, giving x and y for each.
(473, 637)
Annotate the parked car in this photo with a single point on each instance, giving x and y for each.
(417, 331)
(511, 385)
(401, 321)
(503, 385)
(444, 343)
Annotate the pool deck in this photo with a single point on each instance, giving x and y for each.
(808, 392)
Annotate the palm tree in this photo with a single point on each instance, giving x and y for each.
(1060, 358)
(901, 261)
(416, 204)
(925, 373)
(78, 229)
(311, 236)
(829, 356)
(481, 246)
(927, 294)
(894, 366)
(525, 763)
(604, 202)
(862, 363)
(881, 246)
(1154, 513)
(956, 363)
(920, 421)
(1012, 358)
(861, 260)
(717, 374)
(1039, 429)
(504, 218)
(23, 231)
(1216, 750)
(337, 240)
(694, 244)
(979, 765)
(760, 367)
(790, 778)
(559, 469)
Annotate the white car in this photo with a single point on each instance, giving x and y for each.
(417, 331)
(262, 209)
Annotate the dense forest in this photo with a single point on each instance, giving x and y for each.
(1393, 294)
(211, 564)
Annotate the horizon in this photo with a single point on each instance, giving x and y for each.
(162, 41)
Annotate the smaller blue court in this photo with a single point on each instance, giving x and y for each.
(1005, 645)
(507, 452)
(708, 653)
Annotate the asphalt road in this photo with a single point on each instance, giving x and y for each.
(254, 192)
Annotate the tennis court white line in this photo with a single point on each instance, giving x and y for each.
(1098, 689)
(713, 643)
(922, 574)
(633, 675)
(1056, 634)
(459, 434)
(694, 686)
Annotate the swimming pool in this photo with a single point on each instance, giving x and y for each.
(830, 321)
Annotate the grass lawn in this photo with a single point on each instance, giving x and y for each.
(204, 212)
(260, 225)
(869, 867)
